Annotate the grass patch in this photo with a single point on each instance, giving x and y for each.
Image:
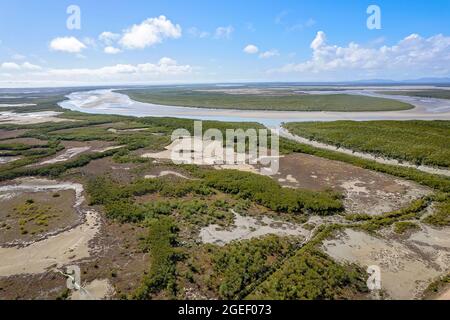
(404, 226)
(441, 216)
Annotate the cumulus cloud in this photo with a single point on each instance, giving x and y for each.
(224, 32)
(269, 54)
(67, 44)
(12, 66)
(165, 69)
(111, 50)
(411, 56)
(150, 32)
(251, 49)
(108, 38)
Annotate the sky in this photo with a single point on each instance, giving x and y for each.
(47, 42)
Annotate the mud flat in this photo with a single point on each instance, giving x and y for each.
(167, 173)
(206, 153)
(66, 155)
(31, 117)
(247, 228)
(57, 249)
(286, 134)
(4, 160)
(365, 191)
(407, 267)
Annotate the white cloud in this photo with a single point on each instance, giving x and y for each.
(195, 32)
(150, 32)
(30, 66)
(411, 57)
(18, 56)
(251, 49)
(166, 68)
(112, 50)
(319, 40)
(26, 66)
(224, 32)
(108, 38)
(10, 66)
(67, 44)
(269, 54)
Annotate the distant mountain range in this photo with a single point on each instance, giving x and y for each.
(413, 81)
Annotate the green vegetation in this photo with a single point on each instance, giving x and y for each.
(405, 226)
(312, 275)
(429, 93)
(239, 264)
(34, 217)
(265, 191)
(161, 243)
(441, 215)
(274, 101)
(419, 142)
(119, 203)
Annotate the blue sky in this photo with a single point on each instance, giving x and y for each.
(204, 41)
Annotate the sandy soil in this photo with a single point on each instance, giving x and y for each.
(11, 134)
(194, 151)
(56, 250)
(445, 295)
(407, 266)
(167, 173)
(17, 105)
(21, 221)
(116, 256)
(66, 155)
(32, 117)
(365, 191)
(4, 160)
(248, 228)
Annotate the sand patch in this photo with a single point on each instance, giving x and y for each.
(58, 249)
(192, 150)
(66, 155)
(31, 118)
(167, 173)
(248, 228)
(364, 191)
(405, 270)
(4, 160)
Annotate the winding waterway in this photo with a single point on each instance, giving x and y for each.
(110, 102)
